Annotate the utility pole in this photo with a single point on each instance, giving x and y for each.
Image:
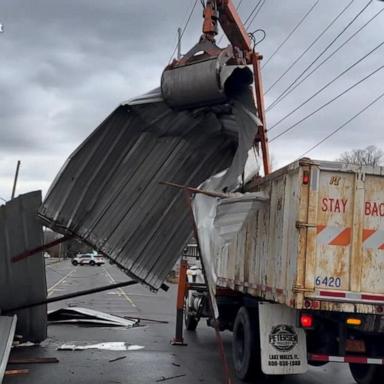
(15, 181)
(179, 34)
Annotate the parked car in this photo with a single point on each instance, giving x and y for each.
(88, 258)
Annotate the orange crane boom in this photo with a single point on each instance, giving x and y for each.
(224, 12)
(241, 52)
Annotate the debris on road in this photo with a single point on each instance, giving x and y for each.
(146, 319)
(169, 378)
(78, 315)
(7, 332)
(23, 282)
(27, 344)
(16, 372)
(34, 360)
(117, 359)
(107, 346)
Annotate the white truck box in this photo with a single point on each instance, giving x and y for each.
(317, 243)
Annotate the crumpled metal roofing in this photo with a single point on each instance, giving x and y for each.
(23, 282)
(218, 222)
(231, 213)
(108, 192)
(7, 332)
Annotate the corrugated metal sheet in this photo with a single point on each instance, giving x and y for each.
(231, 213)
(219, 223)
(7, 332)
(23, 282)
(108, 193)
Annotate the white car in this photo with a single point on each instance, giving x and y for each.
(88, 258)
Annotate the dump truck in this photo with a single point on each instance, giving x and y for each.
(301, 282)
(292, 265)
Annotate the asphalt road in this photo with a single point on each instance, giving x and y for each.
(158, 361)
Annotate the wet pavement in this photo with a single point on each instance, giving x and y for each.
(158, 361)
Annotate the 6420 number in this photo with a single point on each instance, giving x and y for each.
(328, 281)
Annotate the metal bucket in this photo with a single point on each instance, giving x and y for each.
(203, 83)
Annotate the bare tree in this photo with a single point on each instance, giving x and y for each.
(369, 156)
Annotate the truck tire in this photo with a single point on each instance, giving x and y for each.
(245, 345)
(74, 262)
(190, 319)
(190, 322)
(367, 373)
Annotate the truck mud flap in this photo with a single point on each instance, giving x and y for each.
(283, 344)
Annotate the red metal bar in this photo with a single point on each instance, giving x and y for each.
(32, 252)
(232, 25)
(195, 190)
(210, 20)
(237, 34)
(262, 134)
(181, 293)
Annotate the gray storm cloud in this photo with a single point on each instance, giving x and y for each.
(64, 66)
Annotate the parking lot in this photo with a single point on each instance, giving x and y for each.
(157, 361)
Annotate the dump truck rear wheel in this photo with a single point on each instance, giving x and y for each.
(367, 373)
(246, 359)
(191, 323)
(190, 319)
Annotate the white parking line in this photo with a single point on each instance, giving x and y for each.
(126, 297)
(52, 289)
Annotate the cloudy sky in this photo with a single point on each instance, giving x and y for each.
(65, 65)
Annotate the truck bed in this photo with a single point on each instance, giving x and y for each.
(317, 243)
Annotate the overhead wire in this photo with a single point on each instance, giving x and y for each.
(289, 89)
(252, 12)
(239, 5)
(344, 124)
(333, 53)
(185, 28)
(290, 128)
(310, 46)
(256, 14)
(291, 33)
(329, 83)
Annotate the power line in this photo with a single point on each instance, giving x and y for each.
(343, 125)
(327, 103)
(332, 54)
(255, 15)
(327, 85)
(239, 5)
(289, 88)
(252, 12)
(311, 45)
(291, 33)
(185, 28)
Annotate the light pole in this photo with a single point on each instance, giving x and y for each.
(15, 181)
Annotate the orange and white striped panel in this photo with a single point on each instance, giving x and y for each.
(373, 239)
(341, 236)
(333, 235)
